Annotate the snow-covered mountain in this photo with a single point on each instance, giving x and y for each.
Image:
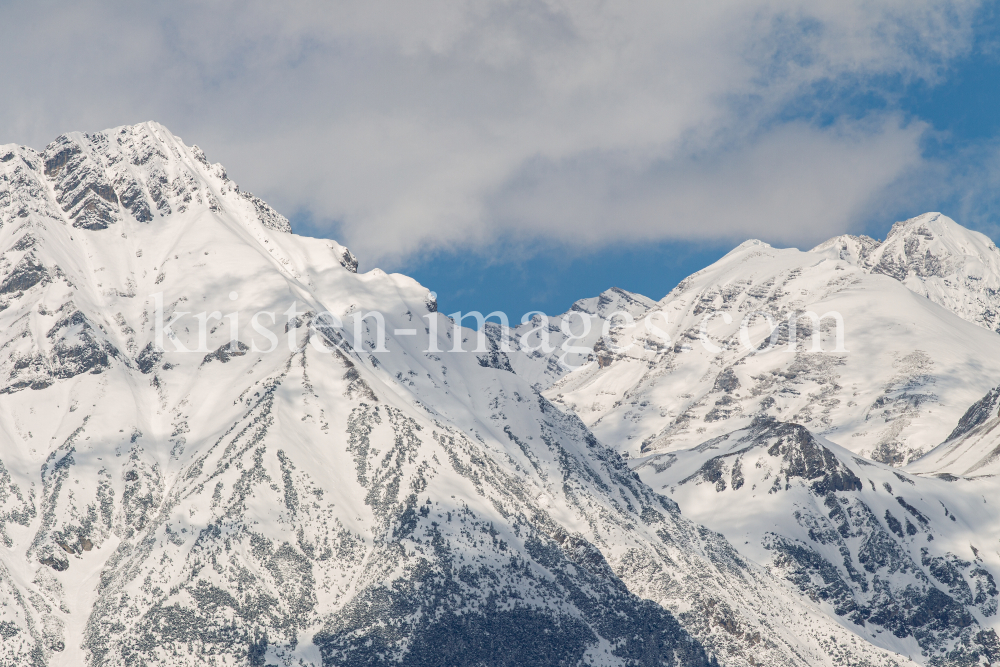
(253, 484)
(705, 361)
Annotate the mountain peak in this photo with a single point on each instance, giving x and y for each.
(853, 249)
(614, 300)
(932, 217)
(937, 258)
(138, 172)
(751, 243)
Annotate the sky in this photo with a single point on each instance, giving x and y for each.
(521, 155)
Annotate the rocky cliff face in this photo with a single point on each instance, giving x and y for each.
(972, 449)
(900, 558)
(257, 485)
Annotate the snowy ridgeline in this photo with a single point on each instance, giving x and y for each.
(661, 504)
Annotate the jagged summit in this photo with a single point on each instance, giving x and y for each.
(586, 321)
(140, 172)
(647, 389)
(95, 223)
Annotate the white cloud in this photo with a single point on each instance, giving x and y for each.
(437, 124)
(794, 184)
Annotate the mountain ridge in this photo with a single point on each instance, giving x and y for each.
(934, 361)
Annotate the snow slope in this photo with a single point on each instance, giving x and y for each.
(972, 449)
(296, 493)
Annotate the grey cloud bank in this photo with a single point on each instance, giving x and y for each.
(403, 128)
